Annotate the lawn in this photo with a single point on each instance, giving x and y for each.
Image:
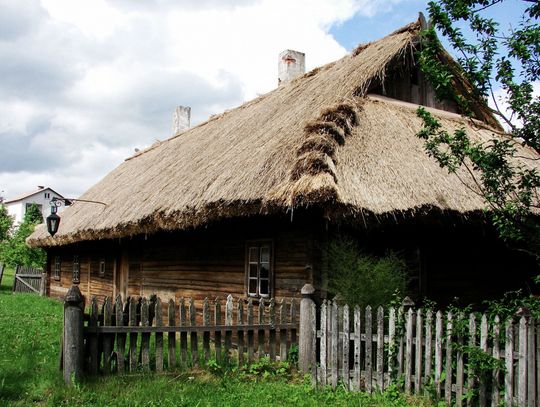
(29, 372)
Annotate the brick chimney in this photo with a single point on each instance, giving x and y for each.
(181, 119)
(291, 65)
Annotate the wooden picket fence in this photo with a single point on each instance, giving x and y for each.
(428, 352)
(133, 336)
(29, 280)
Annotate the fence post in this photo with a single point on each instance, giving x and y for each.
(73, 335)
(43, 291)
(305, 348)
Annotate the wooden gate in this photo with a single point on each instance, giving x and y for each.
(29, 279)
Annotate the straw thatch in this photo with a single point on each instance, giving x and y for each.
(318, 140)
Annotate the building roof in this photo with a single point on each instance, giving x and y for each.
(320, 139)
(29, 194)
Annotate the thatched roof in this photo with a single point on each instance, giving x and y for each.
(318, 140)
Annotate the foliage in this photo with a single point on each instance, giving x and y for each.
(6, 223)
(14, 251)
(29, 373)
(511, 303)
(490, 57)
(362, 279)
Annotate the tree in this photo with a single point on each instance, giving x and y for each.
(6, 223)
(14, 251)
(494, 60)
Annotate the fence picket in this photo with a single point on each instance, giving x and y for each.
(538, 359)
(132, 336)
(183, 335)
(250, 334)
(400, 318)
(496, 355)
(228, 322)
(145, 337)
(438, 352)
(418, 352)
(408, 350)
(120, 337)
(193, 340)
(217, 333)
(206, 334)
(357, 348)
(345, 375)
(522, 362)
(334, 334)
(94, 348)
(240, 322)
(369, 350)
(107, 338)
(428, 350)
(448, 363)
(484, 348)
(158, 321)
(391, 343)
(272, 333)
(293, 321)
(283, 333)
(459, 363)
(509, 364)
(531, 394)
(171, 313)
(261, 333)
(380, 348)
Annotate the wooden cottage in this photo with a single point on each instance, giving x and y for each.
(246, 202)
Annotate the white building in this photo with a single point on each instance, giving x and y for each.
(42, 197)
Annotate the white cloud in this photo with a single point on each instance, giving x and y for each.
(84, 83)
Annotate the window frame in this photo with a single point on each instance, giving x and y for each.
(57, 268)
(259, 243)
(102, 267)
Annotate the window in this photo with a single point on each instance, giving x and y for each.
(76, 269)
(57, 267)
(47, 195)
(28, 205)
(259, 269)
(102, 268)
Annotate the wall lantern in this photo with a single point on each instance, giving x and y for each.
(53, 220)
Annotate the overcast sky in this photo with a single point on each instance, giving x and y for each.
(84, 83)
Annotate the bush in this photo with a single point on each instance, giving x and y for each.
(362, 279)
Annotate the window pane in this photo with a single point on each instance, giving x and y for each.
(253, 270)
(264, 270)
(253, 254)
(252, 286)
(264, 287)
(265, 254)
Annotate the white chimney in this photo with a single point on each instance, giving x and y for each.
(181, 119)
(291, 65)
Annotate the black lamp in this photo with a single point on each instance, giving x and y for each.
(53, 221)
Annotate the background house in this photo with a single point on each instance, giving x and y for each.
(246, 202)
(42, 196)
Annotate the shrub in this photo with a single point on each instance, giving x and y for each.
(363, 279)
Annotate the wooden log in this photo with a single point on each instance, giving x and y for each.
(369, 349)
(509, 364)
(171, 314)
(380, 349)
(93, 339)
(283, 332)
(408, 349)
(240, 322)
(145, 338)
(428, 349)
(484, 347)
(183, 335)
(250, 334)
(497, 355)
(158, 321)
(217, 334)
(272, 331)
(418, 352)
(345, 374)
(334, 333)
(107, 338)
(324, 343)
(531, 350)
(120, 338)
(73, 336)
(206, 334)
(448, 362)
(305, 348)
(193, 341)
(438, 352)
(471, 385)
(459, 367)
(522, 362)
(392, 350)
(132, 336)
(261, 333)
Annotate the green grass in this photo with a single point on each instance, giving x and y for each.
(31, 326)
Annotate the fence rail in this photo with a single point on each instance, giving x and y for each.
(146, 334)
(29, 280)
(463, 359)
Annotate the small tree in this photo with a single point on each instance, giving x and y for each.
(14, 251)
(6, 223)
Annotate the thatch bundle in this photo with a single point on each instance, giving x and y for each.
(318, 140)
